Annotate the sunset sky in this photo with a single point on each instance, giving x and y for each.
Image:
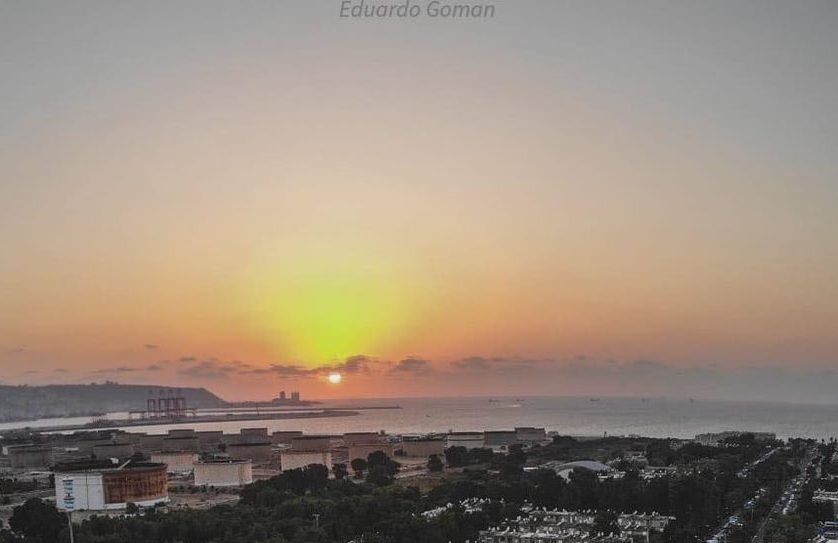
(627, 198)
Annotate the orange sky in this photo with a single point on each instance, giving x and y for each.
(272, 188)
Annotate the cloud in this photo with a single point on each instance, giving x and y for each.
(127, 369)
(187, 359)
(411, 366)
(647, 365)
(211, 369)
(118, 369)
(151, 347)
(15, 351)
(290, 371)
(472, 363)
(499, 364)
(353, 365)
(356, 364)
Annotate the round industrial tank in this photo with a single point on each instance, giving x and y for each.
(232, 472)
(141, 483)
(258, 452)
(311, 443)
(176, 462)
(30, 457)
(122, 451)
(355, 438)
(181, 443)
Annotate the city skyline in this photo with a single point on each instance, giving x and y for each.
(555, 200)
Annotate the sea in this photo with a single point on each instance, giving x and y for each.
(653, 417)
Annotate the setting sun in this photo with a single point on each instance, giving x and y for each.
(335, 378)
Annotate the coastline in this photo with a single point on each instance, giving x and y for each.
(108, 424)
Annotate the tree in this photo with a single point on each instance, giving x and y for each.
(384, 467)
(340, 471)
(131, 508)
(359, 466)
(516, 455)
(605, 522)
(316, 477)
(456, 457)
(379, 476)
(434, 463)
(38, 520)
(378, 458)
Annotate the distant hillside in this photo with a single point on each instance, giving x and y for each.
(22, 402)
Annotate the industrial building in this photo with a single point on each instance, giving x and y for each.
(500, 439)
(223, 472)
(530, 435)
(284, 399)
(363, 450)
(362, 444)
(307, 450)
(10, 444)
(181, 443)
(311, 443)
(122, 451)
(469, 440)
(210, 440)
(86, 444)
(423, 446)
(257, 452)
(176, 462)
(355, 438)
(102, 485)
(299, 459)
(181, 432)
(32, 457)
(284, 437)
(253, 435)
(147, 442)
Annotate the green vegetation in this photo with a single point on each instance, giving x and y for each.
(11, 486)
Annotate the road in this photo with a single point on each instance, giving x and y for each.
(787, 495)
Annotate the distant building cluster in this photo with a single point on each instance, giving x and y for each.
(87, 464)
(827, 532)
(284, 398)
(468, 506)
(826, 496)
(714, 439)
(554, 526)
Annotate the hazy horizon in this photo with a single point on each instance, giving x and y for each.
(639, 200)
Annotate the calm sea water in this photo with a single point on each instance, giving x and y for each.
(574, 416)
